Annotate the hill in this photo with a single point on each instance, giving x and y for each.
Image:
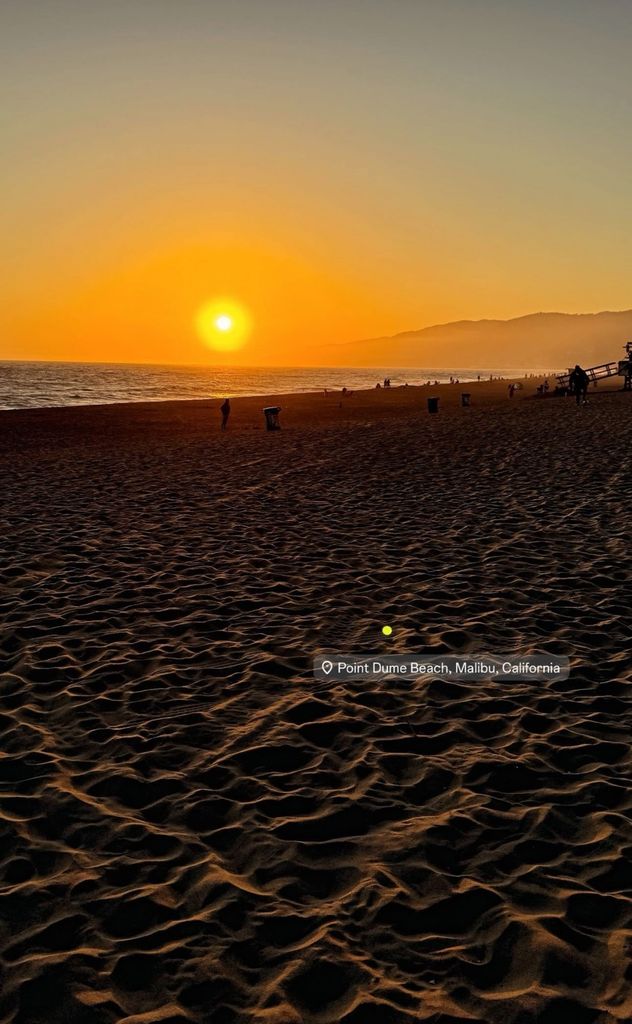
(546, 340)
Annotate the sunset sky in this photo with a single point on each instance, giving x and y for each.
(331, 169)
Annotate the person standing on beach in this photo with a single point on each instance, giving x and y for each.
(578, 381)
(225, 411)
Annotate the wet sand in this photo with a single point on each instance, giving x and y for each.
(194, 830)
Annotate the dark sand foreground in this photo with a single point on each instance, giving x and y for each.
(194, 830)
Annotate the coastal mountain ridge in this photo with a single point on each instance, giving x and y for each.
(548, 340)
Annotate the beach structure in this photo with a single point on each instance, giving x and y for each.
(625, 367)
(615, 368)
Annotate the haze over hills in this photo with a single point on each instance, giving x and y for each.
(544, 340)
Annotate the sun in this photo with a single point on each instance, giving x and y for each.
(223, 324)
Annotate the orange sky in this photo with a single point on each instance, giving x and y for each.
(346, 172)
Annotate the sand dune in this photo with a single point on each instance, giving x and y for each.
(194, 830)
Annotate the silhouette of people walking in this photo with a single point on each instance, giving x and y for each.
(579, 381)
(225, 411)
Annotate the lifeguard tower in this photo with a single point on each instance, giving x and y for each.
(625, 367)
(618, 368)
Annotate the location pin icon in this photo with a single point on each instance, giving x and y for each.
(326, 667)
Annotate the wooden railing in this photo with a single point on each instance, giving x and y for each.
(594, 373)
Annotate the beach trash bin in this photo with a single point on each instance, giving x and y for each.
(433, 405)
(271, 413)
(465, 398)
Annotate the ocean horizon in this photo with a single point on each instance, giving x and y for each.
(40, 384)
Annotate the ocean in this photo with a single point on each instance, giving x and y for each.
(28, 385)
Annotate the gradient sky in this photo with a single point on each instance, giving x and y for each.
(341, 168)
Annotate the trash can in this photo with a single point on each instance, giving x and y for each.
(465, 398)
(433, 405)
(271, 413)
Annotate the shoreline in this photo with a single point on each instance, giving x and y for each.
(485, 389)
(299, 408)
(87, 385)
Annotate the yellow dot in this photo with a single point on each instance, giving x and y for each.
(387, 630)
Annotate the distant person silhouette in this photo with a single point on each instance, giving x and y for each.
(225, 411)
(579, 381)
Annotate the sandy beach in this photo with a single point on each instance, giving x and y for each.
(195, 830)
